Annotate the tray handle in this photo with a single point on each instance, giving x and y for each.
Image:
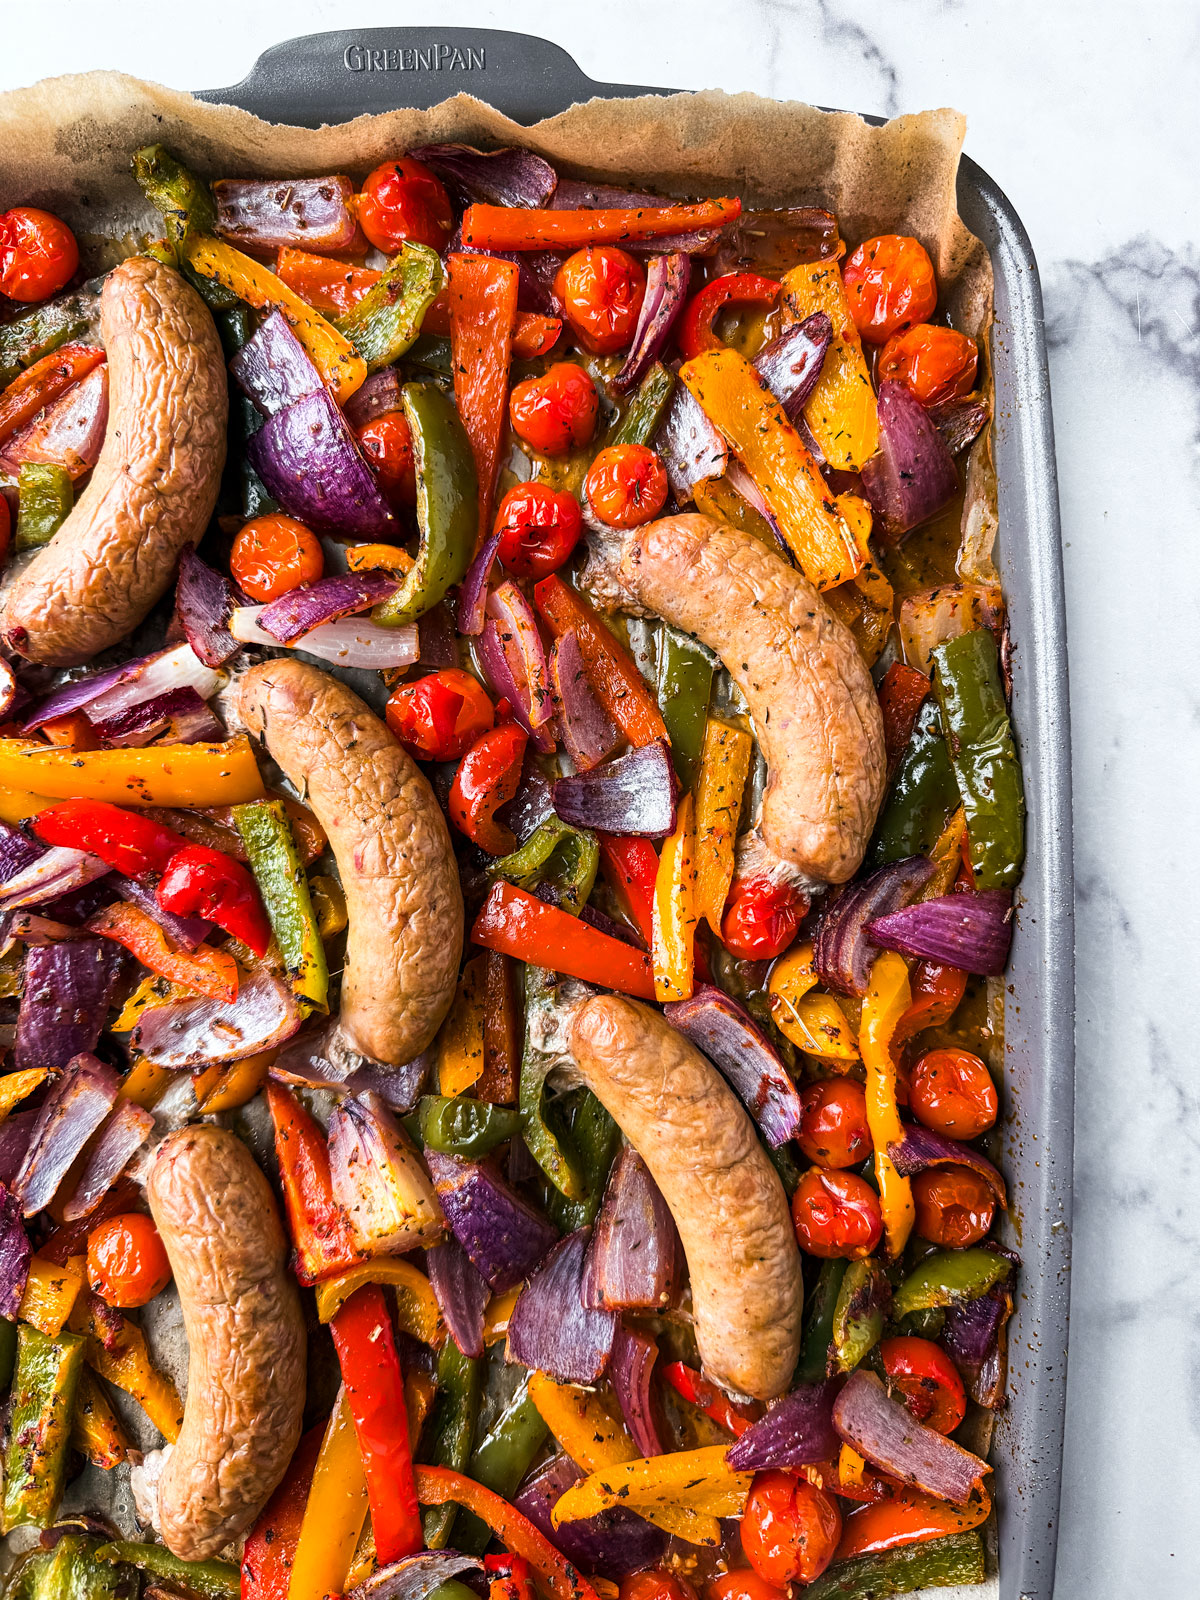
(331, 77)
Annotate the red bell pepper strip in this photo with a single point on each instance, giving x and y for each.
(362, 1335)
(327, 285)
(630, 868)
(610, 668)
(440, 1486)
(204, 969)
(488, 777)
(43, 382)
(697, 1390)
(901, 693)
(511, 1578)
(271, 1543)
(483, 308)
(318, 1227)
(908, 1517)
(200, 882)
(521, 925)
(696, 332)
(518, 228)
(128, 841)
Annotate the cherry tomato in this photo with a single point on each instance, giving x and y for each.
(833, 1123)
(743, 1584)
(404, 200)
(557, 410)
(538, 527)
(761, 918)
(626, 485)
(931, 362)
(790, 1529)
(656, 1583)
(890, 285)
(954, 1206)
(928, 1380)
(601, 290)
(952, 1092)
(273, 555)
(387, 444)
(126, 1262)
(836, 1214)
(488, 776)
(38, 254)
(439, 717)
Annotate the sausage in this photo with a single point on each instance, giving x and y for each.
(810, 695)
(246, 1346)
(392, 847)
(153, 488)
(728, 1203)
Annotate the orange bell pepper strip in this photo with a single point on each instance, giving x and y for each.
(483, 306)
(675, 910)
(907, 1516)
(902, 691)
(886, 1001)
(610, 668)
(43, 382)
(738, 402)
(227, 1088)
(96, 1430)
(735, 1418)
(724, 766)
(417, 1310)
(440, 1486)
(70, 732)
(334, 1513)
(841, 411)
(271, 1544)
(326, 285)
(630, 868)
(518, 228)
(51, 1290)
(460, 1040)
(318, 1226)
(374, 557)
(154, 775)
(533, 335)
(15, 1086)
(205, 969)
(520, 925)
(116, 1349)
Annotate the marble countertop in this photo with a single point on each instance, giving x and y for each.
(1084, 111)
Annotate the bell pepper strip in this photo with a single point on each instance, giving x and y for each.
(39, 1425)
(362, 1335)
(841, 411)
(384, 323)
(116, 1349)
(534, 335)
(858, 1316)
(724, 768)
(950, 1278)
(377, 557)
(464, 1126)
(208, 1580)
(522, 926)
(51, 1290)
(947, 856)
(630, 868)
(128, 841)
(70, 732)
(44, 500)
(886, 1001)
(695, 332)
(510, 1578)
(698, 1480)
(502, 1032)
(451, 1432)
(922, 795)
(568, 857)
(459, 1043)
(593, 1434)
(200, 882)
(731, 1415)
(417, 1310)
(271, 1544)
(334, 1512)
(319, 1229)
(550, 1153)
(17, 806)
(483, 308)
(505, 1453)
(488, 777)
(683, 686)
(674, 910)
(817, 1024)
(986, 767)
(44, 382)
(591, 1138)
(275, 862)
(204, 970)
(817, 1343)
(937, 992)
(16, 1086)
(96, 1430)
(341, 367)
(498, 1314)
(145, 1083)
(329, 902)
(738, 402)
(639, 422)
(156, 775)
(488, 227)
(902, 691)
(234, 1085)
(610, 668)
(331, 287)
(908, 1518)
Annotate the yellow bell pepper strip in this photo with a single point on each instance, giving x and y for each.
(499, 1312)
(376, 557)
(724, 766)
(51, 1291)
(234, 1085)
(96, 1431)
(334, 1514)
(14, 1087)
(342, 369)
(116, 1349)
(675, 910)
(592, 1434)
(155, 775)
(204, 970)
(841, 410)
(487, 227)
(738, 402)
(18, 805)
(39, 1426)
(417, 1309)
(482, 293)
(697, 1480)
(815, 1023)
(145, 1083)
(275, 861)
(460, 1053)
(329, 903)
(886, 1001)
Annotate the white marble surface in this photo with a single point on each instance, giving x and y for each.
(1085, 112)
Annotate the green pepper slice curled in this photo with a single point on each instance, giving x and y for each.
(279, 873)
(569, 857)
(204, 1580)
(922, 796)
(386, 321)
(28, 338)
(463, 1126)
(816, 1348)
(685, 675)
(858, 1316)
(950, 1277)
(448, 1438)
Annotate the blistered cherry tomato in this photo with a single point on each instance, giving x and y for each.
(626, 485)
(439, 717)
(538, 527)
(38, 254)
(387, 444)
(404, 200)
(656, 1583)
(833, 1128)
(928, 1380)
(557, 410)
(273, 555)
(761, 918)
(601, 290)
(890, 285)
(126, 1262)
(836, 1214)
(743, 1584)
(932, 363)
(790, 1528)
(951, 1091)
(954, 1206)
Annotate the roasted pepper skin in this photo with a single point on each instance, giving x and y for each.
(68, 1572)
(45, 497)
(592, 1138)
(949, 1277)
(450, 1433)
(267, 835)
(42, 1403)
(40, 330)
(567, 857)
(954, 1559)
(922, 795)
(211, 1580)
(387, 320)
(465, 1127)
(858, 1316)
(685, 674)
(816, 1350)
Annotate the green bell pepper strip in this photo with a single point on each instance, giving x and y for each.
(432, 351)
(592, 1137)
(956, 1558)
(647, 408)
(386, 321)
(279, 873)
(543, 1143)
(447, 1440)
(447, 504)
(44, 501)
(187, 208)
(685, 675)
(42, 1403)
(922, 795)
(28, 338)
(8, 1352)
(858, 1316)
(68, 1572)
(463, 1126)
(927, 1324)
(569, 857)
(966, 682)
(206, 1580)
(499, 1461)
(818, 1323)
(950, 1277)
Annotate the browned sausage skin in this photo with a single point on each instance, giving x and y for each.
(392, 847)
(155, 484)
(246, 1346)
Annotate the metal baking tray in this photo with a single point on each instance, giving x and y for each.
(332, 77)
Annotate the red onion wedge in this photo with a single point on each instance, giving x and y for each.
(178, 716)
(309, 460)
(15, 1254)
(970, 931)
(633, 795)
(328, 600)
(472, 597)
(501, 1233)
(461, 1293)
(55, 872)
(521, 642)
(186, 931)
(667, 280)
(17, 851)
(844, 951)
(274, 368)
(378, 397)
(414, 1577)
(690, 446)
(960, 422)
(177, 668)
(510, 176)
(735, 1044)
(204, 602)
(494, 660)
(378, 1179)
(122, 1136)
(886, 1434)
(551, 1330)
(611, 1545)
(320, 1058)
(353, 642)
(71, 1113)
(772, 242)
(201, 1031)
(912, 475)
(631, 1369)
(66, 990)
(791, 364)
(69, 433)
(635, 1259)
(589, 733)
(797, 1431)
(16, 1134)
(921, 1148)
(973, 1337)
(264, 214)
